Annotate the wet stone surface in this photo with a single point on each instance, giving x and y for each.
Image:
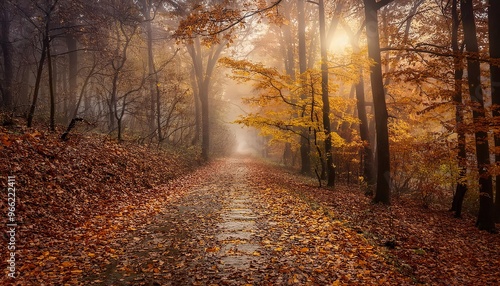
(240, 250)
(234, 226)
(207, 237)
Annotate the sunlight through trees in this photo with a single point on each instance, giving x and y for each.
(397, 97)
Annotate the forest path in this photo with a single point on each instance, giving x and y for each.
(236, 226)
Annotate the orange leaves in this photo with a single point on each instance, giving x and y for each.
(5, 140)
(67, 264)
(311, 247)
(430, 245)
(90, 254)
(217, 22)
(77, 195)
(173, 232)
(212, 249)
(304, 250)
(208, 22)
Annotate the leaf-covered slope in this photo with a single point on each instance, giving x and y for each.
(429, 245)
(59, 182)
(60, 185)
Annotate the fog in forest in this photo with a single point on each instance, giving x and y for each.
(269, 142)
(395, 96)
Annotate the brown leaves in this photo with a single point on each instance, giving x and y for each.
(429, 245)
(75, 195)
(88, 216)
(217, 22)
(309, 246)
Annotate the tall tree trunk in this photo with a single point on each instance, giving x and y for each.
(287, 154)
(330, 168)
(119, 127)
(158, 109)
(287, 44)
(461, 189)
(153, 82)
(485, 217)
(72, 74)
(6, 45)
(45, 44)
(364, 130)
(52, 124)
(289, 53)
(383, 190)
(113, 102)
(205, 123)
(494, 37)
(117, 64)
(367, 153)
(197, 108)
(305, 142)
(82, 92)
(203, 77)
(31, 113)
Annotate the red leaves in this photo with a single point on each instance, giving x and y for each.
(5, 140)
(88, 214)
(428, 245)
(74, 195)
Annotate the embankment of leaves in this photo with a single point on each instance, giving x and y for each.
(429, 245)
(62, 185)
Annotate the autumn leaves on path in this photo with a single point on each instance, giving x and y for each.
(236, 227)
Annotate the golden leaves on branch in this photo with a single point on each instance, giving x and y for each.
(218, 21)
(284, 104)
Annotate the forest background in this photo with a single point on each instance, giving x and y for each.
(396, 96)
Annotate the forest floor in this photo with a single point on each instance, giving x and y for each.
(235, 221)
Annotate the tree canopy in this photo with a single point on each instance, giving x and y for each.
(367, 92)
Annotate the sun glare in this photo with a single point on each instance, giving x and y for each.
(339, 42)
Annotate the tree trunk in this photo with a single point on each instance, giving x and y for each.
(287, 154)
(205, 125)
(113, 102)
(31, 113)
(153, 82)
(305, 142)
(6, 45)
(461, 189)
(197, 108)
(367, 153)
(364, 126)
(494, 37)
(52, 124)
(330, 168)
(119, 127)
(288, 46)
(158, 109)
(485, 217)
(72, 74)
(82, 93)
(383, 191)
(117, 65)
(203, 76)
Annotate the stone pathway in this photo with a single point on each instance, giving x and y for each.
(237, 228)
(208, 235)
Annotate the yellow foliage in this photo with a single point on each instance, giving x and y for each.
(285, 106)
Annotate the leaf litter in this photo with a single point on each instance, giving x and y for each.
(93, 212)
(200, 244)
